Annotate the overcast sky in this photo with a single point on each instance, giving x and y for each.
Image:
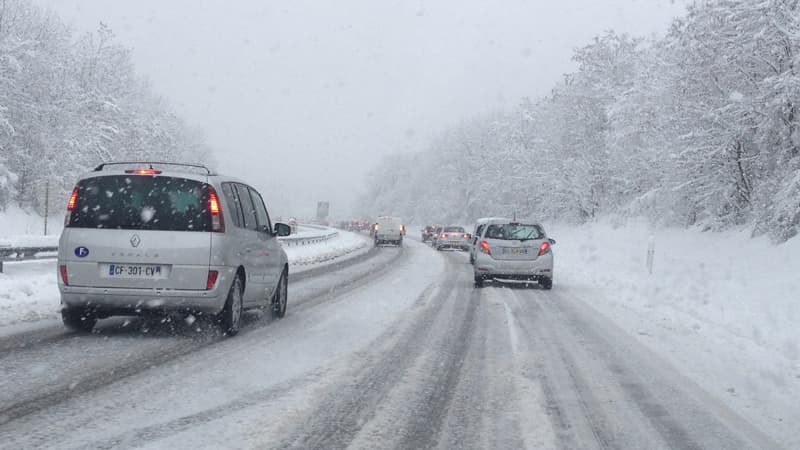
(301, 98)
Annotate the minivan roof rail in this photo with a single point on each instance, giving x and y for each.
(150, 163)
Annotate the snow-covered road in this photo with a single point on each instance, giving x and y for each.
(394, 349)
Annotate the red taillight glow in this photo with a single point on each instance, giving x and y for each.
(143, 171)
(62, 269)
(544, 248)
(485, 248)
(73, 200)
(213, 203)
(466, 236)
(212, 279)
(217, 221)
(444, 236)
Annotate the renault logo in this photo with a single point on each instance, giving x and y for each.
(136, 240)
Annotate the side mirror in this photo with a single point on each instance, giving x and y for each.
(552, 241)
(281, 229)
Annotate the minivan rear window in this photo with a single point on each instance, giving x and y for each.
(454, 230)
(137, 202)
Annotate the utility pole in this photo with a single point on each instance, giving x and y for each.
(46, 204)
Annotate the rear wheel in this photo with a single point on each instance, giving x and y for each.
(479, 281)
(231, 316)
(280, 299)
(78, 319)
(546, 283)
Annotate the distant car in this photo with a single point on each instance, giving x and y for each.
(388, 230)
(175, 238)
(435, 231)
(453, 237)
(427, 233)
(514, 251)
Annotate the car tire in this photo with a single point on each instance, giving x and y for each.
(230, 319)
(546, 283)
(281, 297)
(479, 281)
(78, 319)
(438, 248)
(471, 259)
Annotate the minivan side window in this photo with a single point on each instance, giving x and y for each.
(232, 199)
(248, 209)
(261, 211)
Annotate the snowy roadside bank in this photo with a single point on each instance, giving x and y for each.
(722, 306)
(28, 290)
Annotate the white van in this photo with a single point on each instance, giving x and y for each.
(389, 230)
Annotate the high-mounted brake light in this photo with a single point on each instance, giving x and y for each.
(217, 221)
(212, 279)
(544, 248)
(143, 171)
(62, 269)
(73, 200)
(485, 248)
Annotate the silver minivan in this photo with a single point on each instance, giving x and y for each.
(514, 251)
(168, 238)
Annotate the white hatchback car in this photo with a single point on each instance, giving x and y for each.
(166, 237)
(514, 251)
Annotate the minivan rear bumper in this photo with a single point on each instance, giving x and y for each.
(132, 301)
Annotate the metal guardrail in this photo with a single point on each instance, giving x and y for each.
(19, 253)
(296, 241)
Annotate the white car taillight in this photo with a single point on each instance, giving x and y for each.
(544, 248)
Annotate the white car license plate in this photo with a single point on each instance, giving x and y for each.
(516, 251)
(146, 271)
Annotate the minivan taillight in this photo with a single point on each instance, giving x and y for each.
(73, 202)
(485, 248)
(212, 279)
(62, 269)
(73, 199)
(544, 248)
(214, 208)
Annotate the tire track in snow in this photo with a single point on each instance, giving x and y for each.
(48, 396)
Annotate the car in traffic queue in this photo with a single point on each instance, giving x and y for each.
(435, 232)
(427, 233)
(389, 230)
(142, 238)
(514, 251)
(453, 237)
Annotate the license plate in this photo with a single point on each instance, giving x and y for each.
(135, 271)
(516, 251)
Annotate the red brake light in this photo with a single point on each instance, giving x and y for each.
(213, 203)
(73, 200)
(212, 279)
(62, 269)
(485, 248)
(466, 236)
(544, 248)
(143, 171)
(217, 221)
(444, 235)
